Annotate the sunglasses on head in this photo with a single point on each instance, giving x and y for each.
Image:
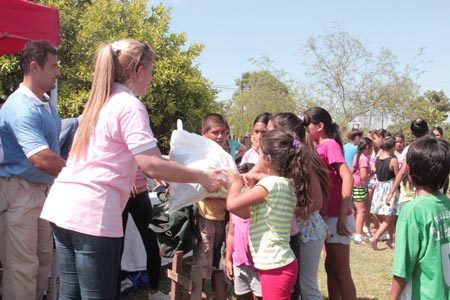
(143, 54)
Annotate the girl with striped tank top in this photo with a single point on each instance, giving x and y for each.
(270, 204)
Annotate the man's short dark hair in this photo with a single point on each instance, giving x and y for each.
(419, 127)
(36, 51)
(428, 159)
(213, 119)
(353, 133)
(387, 143)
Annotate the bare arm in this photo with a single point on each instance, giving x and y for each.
(251, 179)
(315, 192)
(255, 169)
(230, 249)
(398, 179)
(48, 162)
(394, 165)
(398, 284)
(347, 186)
(152, 163)
(364, 173)
(239, 203)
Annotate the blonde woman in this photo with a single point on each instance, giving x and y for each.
(86, 201)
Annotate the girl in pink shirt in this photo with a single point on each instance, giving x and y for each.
(361, 173)
(85, 204)
(338, 214)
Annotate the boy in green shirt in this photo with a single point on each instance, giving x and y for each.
(421, 266)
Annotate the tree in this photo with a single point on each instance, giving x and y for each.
(9, 70)
(178, 89)
(257, 92)
(432, 106)
(355, 84)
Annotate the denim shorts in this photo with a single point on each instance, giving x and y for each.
(333, 237)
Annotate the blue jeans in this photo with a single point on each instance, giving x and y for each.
(89, 265)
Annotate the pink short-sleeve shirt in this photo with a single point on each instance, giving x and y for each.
(331, 153)
(363, 163)
(89, 195)
(251, 156)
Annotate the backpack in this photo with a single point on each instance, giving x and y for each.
(177, 231)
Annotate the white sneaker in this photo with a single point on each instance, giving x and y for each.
(126, 286)
(158, 296)
(359, 242)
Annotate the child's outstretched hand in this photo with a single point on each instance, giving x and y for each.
(251, 179)
(211, 180)
(233, 176)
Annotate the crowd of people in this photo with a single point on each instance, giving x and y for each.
(299, 191)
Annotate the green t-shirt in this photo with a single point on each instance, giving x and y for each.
(422, 248)
(270, 229)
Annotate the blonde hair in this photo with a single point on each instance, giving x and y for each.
(115, 62)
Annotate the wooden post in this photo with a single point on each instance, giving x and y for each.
(197, 282)
(194, 285)
(177, 267)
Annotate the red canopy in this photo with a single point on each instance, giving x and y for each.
(22, 21)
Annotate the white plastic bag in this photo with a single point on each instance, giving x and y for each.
(197, 152)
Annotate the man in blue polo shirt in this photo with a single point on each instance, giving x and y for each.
(29, 130)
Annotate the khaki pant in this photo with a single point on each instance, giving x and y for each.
(26, 244)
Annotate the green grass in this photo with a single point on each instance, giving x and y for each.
(371, 272)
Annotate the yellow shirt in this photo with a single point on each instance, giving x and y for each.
(212, 209)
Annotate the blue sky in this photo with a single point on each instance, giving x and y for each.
(235, 31)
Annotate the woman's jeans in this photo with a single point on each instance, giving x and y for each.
(89, 265)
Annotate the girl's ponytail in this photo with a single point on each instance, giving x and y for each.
(301, 178)
(102, 83)
(335, 134)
